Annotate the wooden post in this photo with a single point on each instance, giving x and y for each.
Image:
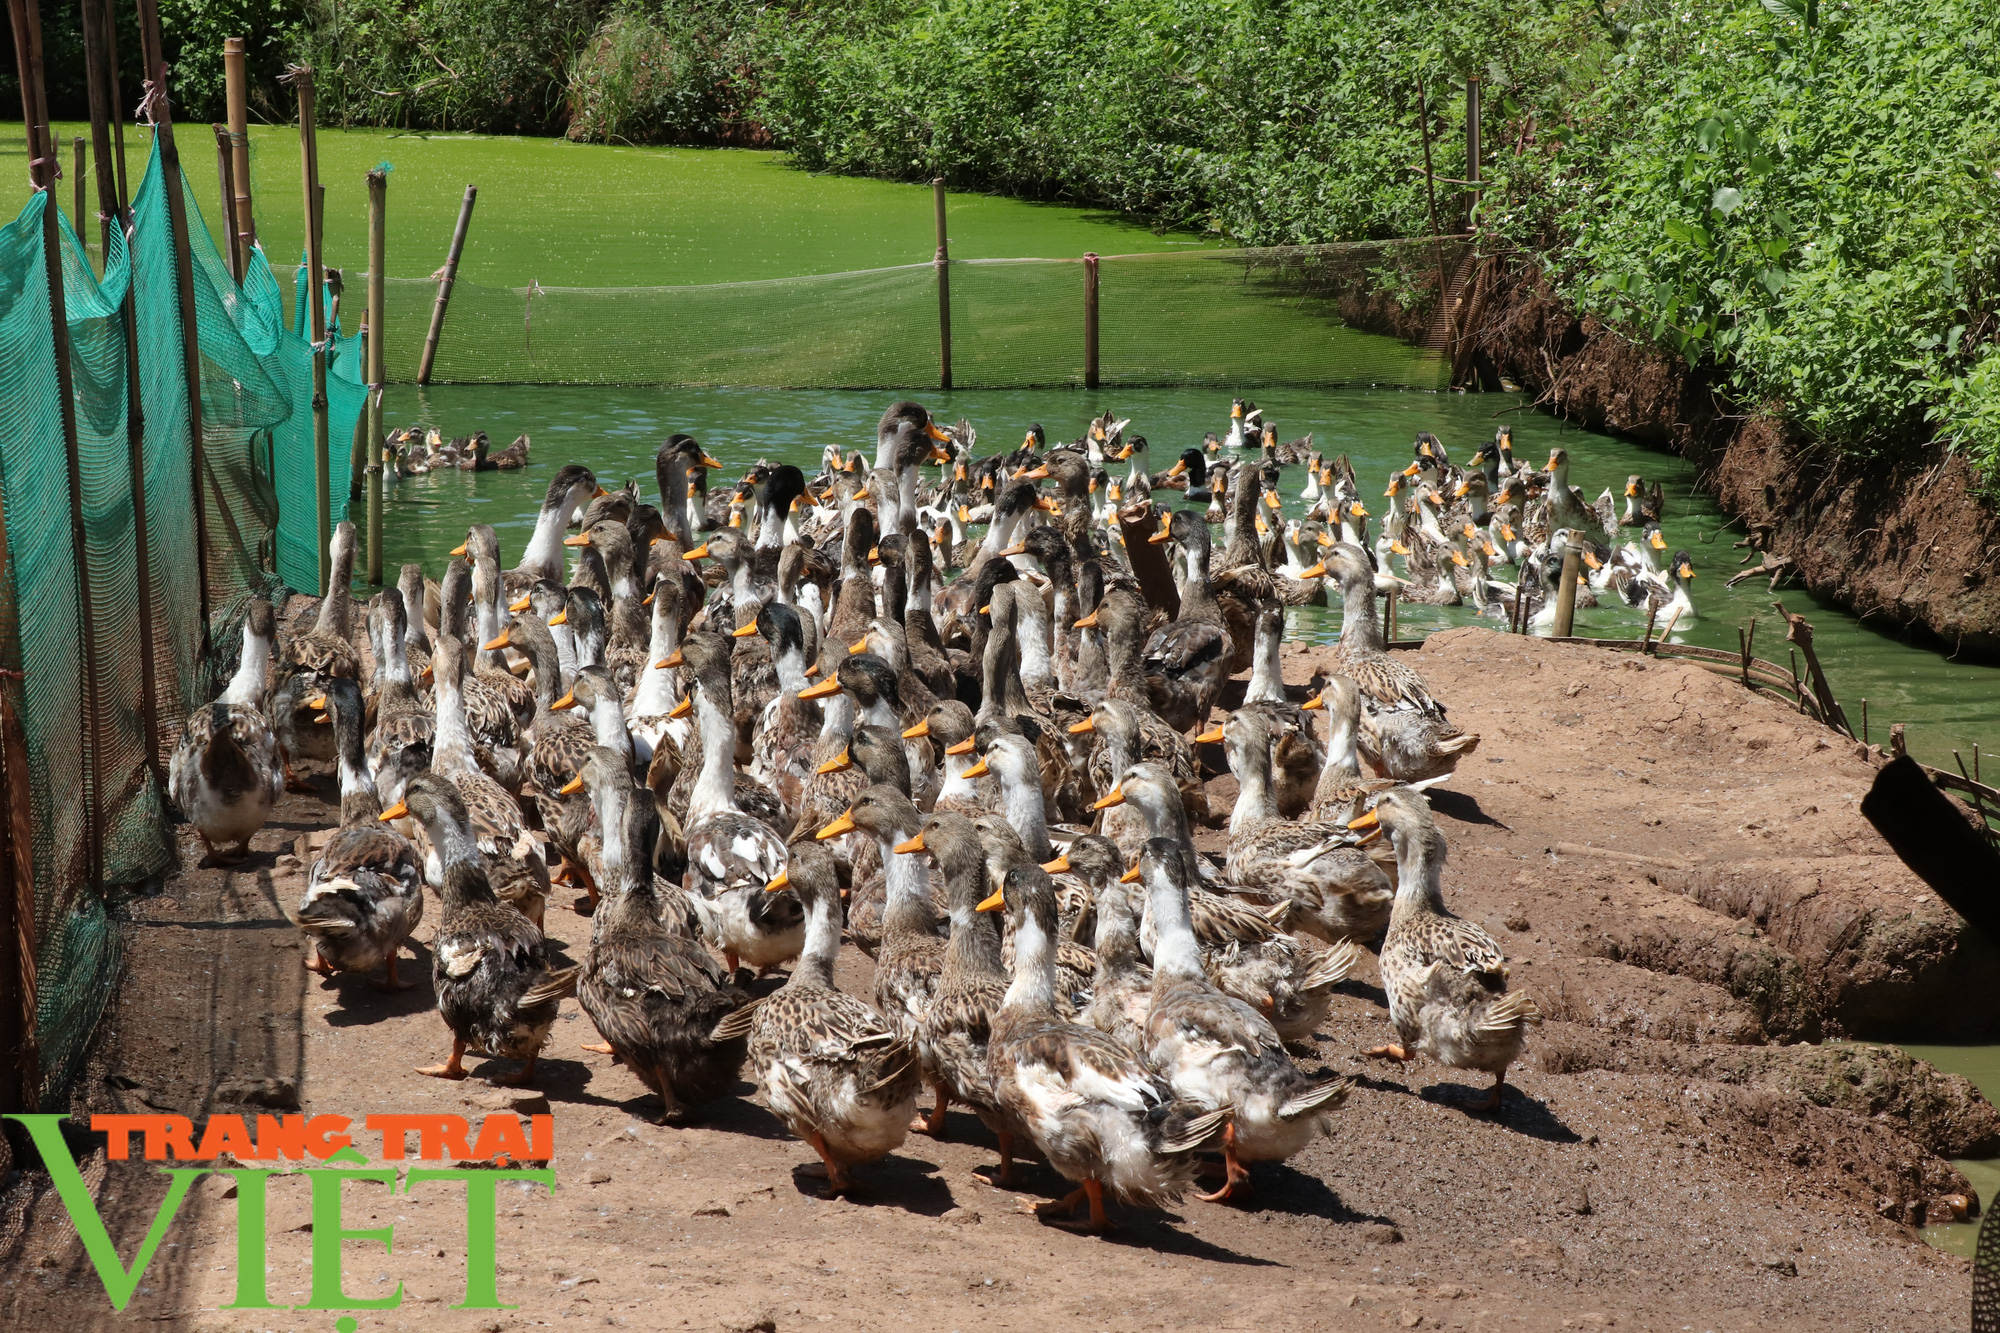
(225, 175)
(1799, 631)
(302, 77)
(1389, 619)
(1472, 113)
(170, 165)
(378, 260)
(446, 277)
(1864, 725)
(943, 263)
(100, 80)
(44, 168)
(1090, 321)
(1566, 593)
(243, 233)
(77, 173)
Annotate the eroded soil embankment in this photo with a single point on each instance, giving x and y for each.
(1903, 540)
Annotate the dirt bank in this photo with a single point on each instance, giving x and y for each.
(1665, 1160)
(1904, 542)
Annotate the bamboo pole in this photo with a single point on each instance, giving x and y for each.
(77, 215)
(302, 76)
(447, 276)
(225, 176)
(378, 259)
(943, 263)
(44, 170)
(1566, 593)
(170, 164)
(243, 228)
(100, 79)
(1090, 321)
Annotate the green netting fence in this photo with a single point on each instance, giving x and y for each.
(86, 765)
(1220, 318)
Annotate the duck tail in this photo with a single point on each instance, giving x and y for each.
(1516, 1009)
(1327, 1096)
(1459, 746)
(1332, 967)
(555, 986)
(1191, 1134)
(738, 1023)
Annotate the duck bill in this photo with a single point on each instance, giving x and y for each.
(844, 824)
(581, 539)
(698, 553)
(564, 704)
(1316, 702)
(915, 844)
(1366, 819)
(400, 810)
(978, 770)
(963, 747)
(840, 763)
(1318, 571)
(1088, 622)
(496, 644)
(560, 618)
(821, 690)
(1083, 728)
(917, 732)
(706, 461)
(778, 884)
(458, 549)
(1130, 877)
(681, 709)
(519, 605)
(572, 787)
(743, 631)
(1057, 866)
(996, 903)
(1213, 736)
(1116, 796)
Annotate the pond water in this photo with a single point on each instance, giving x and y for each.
(1946, 705)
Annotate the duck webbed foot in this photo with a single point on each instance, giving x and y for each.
(390, 981)
(837, 1179)
(1236, 1176)
(933, 1122)
(1392, 1051)
(524, 1077)
(453, 1068)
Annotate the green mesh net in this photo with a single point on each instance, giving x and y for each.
(1230, 318)
(99, 816)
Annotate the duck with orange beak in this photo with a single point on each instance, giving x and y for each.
(829, 1067)
(1446, 978)
(1103, 1120)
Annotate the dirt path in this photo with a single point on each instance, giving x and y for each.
(1678, 870)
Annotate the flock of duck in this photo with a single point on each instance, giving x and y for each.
(756, 722)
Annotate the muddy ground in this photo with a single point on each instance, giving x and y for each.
(1678, 870)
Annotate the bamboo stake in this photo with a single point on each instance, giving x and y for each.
(447, 276)
(44, 170)
(302, 77)
(1566, 593)
(1090, 321)
(242, 227)
(100, 79)
(225, 175)
(378, 251)
(170, 164)
(943, 263)
(77, 173)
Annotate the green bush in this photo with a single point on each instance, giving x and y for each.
(668, 73)
(1802, 196)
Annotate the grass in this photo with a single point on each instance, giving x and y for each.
(590, 215)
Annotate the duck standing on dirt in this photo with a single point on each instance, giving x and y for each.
(829, 1066)
(365, 891)
(1446, 978)
(1100, 1116)
(653, 991)
(490, 965)
(1217, 1051)
(225, 774)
